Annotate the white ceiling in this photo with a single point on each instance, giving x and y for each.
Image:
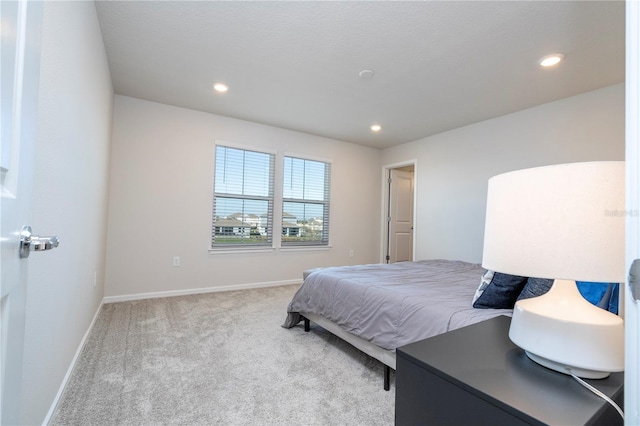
(438, 65)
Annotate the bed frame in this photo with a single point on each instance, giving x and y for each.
(386, 357)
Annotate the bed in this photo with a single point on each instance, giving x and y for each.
(380, 307)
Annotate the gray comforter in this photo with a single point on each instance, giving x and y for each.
(392, 305)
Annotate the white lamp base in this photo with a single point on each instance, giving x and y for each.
(564, 368)
(561, 330)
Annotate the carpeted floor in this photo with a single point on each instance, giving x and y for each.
(220, 359)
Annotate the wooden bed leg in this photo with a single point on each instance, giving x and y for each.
(306, 324)
(387, 377)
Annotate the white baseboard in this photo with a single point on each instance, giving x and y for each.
(65, 380)
(172, 293)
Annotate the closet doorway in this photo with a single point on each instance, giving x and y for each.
(399, 214)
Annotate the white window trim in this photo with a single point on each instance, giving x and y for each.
(306, 157)
(306, 248)
(242, 250)
(243, 146)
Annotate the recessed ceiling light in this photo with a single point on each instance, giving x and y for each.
(220, 87)
(366, 74)
(376, 127)
(551, 60)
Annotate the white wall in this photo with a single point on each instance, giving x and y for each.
(453, 167)
(161, 202)
(69, 198)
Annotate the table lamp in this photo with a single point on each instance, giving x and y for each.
(563, 222)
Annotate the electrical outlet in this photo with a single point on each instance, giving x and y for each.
(176, 261)
(351, 253)
(95, 279)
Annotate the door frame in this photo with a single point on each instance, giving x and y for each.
(630, 308)
(384, 208)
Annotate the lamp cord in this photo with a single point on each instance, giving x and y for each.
(597, 392)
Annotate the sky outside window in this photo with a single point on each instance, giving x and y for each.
(241, 173)
(303, 179)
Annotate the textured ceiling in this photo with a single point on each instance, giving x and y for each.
(438, 65)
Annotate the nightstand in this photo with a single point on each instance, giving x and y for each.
(476, 376)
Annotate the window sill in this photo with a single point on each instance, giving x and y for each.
(305, 248)
(268, 249)
(241, 250)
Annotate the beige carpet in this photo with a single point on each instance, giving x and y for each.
(220, 359)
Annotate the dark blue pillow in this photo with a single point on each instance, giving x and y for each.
(535, 287)
(603, 295)
(613, 301)
(502, 292)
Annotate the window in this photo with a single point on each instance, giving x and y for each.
(305, 202)
(243, 198)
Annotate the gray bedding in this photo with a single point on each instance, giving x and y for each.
(392, 305)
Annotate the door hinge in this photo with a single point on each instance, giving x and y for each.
(634, 280)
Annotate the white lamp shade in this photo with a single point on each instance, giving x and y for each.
(562, 221)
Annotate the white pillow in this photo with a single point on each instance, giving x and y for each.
(484, 283)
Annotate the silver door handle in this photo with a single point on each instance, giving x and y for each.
(30, 242)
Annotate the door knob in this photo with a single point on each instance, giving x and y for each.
(30, 242)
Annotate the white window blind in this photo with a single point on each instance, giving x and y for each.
(305, 202)
(243, 198)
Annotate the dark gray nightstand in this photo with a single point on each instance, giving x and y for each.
(476, 376)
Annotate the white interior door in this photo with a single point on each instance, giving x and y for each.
(400, 216)
(631, 306)
(20, 52)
